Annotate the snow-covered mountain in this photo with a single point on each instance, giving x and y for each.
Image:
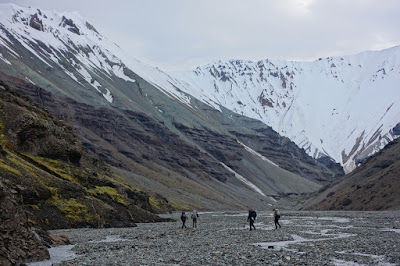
(341, 107)
(66, 40)
(146, 123)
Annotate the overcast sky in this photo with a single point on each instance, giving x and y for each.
(182, 34)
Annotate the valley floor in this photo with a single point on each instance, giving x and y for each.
(223, 238)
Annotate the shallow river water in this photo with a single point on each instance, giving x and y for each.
(224, 238)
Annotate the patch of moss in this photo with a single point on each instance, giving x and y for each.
(28, 169)
(156, 204)
(35, 207)
(6, 167)
(32, 221)
(73, 210)
(111, 192)
(55, 166)
(114, 180)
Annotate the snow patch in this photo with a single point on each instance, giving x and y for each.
(4, 59)
(30, 81)
(245, 181)
(108, 96)
(256, 153)
(118, 71)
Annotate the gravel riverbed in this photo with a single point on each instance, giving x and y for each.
(224, 238)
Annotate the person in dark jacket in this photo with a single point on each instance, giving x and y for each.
(252, 217)
(183, 219)
(277, 215)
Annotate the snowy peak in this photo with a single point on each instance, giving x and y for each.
(341, 107)
(45, 22)
(61, 41)
(67, 42)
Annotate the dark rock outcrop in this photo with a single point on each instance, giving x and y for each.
(36, 23)
(70, 25)
(396, 130)
(18, 242)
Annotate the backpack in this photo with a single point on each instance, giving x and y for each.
(253, 215)
(183, 217)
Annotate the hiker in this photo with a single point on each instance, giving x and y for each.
(194, 218)
(252, 217)
(183, 219)
(277, 215)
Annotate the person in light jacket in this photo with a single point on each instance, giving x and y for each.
(194, 217)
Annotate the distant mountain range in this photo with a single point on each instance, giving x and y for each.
(342, 107)
(227, 135)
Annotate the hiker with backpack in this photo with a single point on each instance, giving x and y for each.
(277, 215)
(183, 219)
(252, 217)
(194, 216)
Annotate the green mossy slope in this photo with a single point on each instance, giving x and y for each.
(61, 184)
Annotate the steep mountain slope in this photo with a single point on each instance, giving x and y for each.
(140, 120)
(61, 184)
(375, 185)
(341, 107)
(48, 181)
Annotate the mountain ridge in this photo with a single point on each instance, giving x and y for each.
(307, 101)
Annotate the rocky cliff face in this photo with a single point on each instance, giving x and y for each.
(18, 242)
